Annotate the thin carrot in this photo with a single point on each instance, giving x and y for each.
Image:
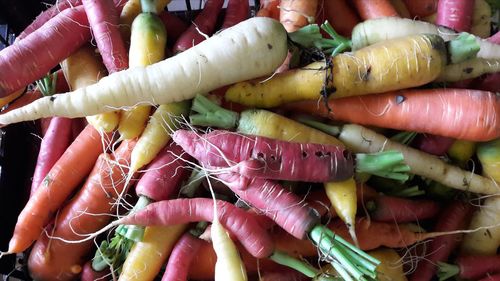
(295, 14)
(445, 109)
(372, 9)
(90, 210)
(73, 166)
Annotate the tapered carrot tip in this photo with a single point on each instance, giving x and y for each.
(14, 246)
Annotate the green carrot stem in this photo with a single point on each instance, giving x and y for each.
(341, 271)
(329, 129)
(211, 114)
(192, 184)
(408, 192)
(388, 164)
(446, 270)
(134, 232)
(149, 6)
(286, 260)
(310, 36)
(462, 48)
(47, 84)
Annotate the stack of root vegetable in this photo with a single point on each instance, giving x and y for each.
(318, 140)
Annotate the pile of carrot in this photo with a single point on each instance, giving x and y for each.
(293, 140)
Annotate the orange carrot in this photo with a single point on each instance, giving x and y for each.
(269, 8)
(73, 166)
(54, 259)
(457, 113)
(372, 9)
(295, 14)
(340, 15)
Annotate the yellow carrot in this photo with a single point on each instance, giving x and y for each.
(343, 197)
(5, 100)
(391, 267)
(461, 151)
(147, 46)
(389, 65)
(481, 19)
(130, 11)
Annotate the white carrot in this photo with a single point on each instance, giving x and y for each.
(251, 49)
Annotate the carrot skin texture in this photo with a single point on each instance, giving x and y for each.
(400, 210)
(421, 8)
(69, 29)
(73, 166)
(295, 14)
(372, 9)
(462, 113)
(164, 175)
(55, 141)
(477, 266)
(103, 18)
(180, 211)
(57, 260)
(173, 24)
(433, 144)
(263, 157)
(181, 258)
(495, 277)
(205, 22)
(236, 11)
(454, 217)
(455, 14)
(269, 9)
(284, 207)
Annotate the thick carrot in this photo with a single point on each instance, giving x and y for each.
(174, 26)
(455, 14)
(73, 166)
(372, 9)
(454, 217)
(263, 157)
(62, 35)
(87, 212)
(177, 211)
(204, 22)
(444, 107)
(486, 221)
(55, 141)
(341, 16)
(394, 209)
(104, 18)
(181, 258)
(236, 11)
(421, 8)
(295, 14)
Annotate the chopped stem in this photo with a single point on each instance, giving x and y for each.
(446, 270)
(134, 232)
(462, 48)
(408, 192)
(211, 114)
(310, 36)
(284, 259)
(47, 84)
(388, 164)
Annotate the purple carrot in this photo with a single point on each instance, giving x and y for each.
(55, 141)
(104, 18)
(204, 22)
(455, 14)
(173, 24)
(262, 157)
(495, 277)
(286, 209)
(433, 144)
(89, 274)
(164, 174)
(399, 210)
(181, 257)
(236, 12)
(179, 211)
(455, 216)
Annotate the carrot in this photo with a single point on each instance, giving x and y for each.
(379, 68)
(174, 26)
(236, 12)
(400, 210)
(204, 22)
(489, 156)
(401, 8)
(470, 267)
(283, 275)
(182, 257)
(267, 158)
(177, 211)
(269, 8)
(54, 143)
(62, 35)
(71, 168)
(495, 277)
(391, 264)
(455, 14)
(481, 19)
(137, 84)
(372, 9)
(392, 110)
(454, 217)
(103, 18)
(87, 212)
(461, 152)
(341, 16)
(433, 144)
(421, 8)
(486, 221)
(89, 274)
(295, 14)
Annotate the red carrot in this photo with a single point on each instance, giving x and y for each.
(372, 9)
(471, 267)
(455, 14)
(21, 63)
(54, 143)
(236, 12)
(433, 144)
(454, 217)
(286, 274)
(340, 15)
(443, 110)
(204, 22)
(89, 274)
(174, 25)
(77, 126)
(400, 210)
(495, 277)
(181, 258)
(262, 157)
(179, 211)
(421, 8)
(103, 18)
